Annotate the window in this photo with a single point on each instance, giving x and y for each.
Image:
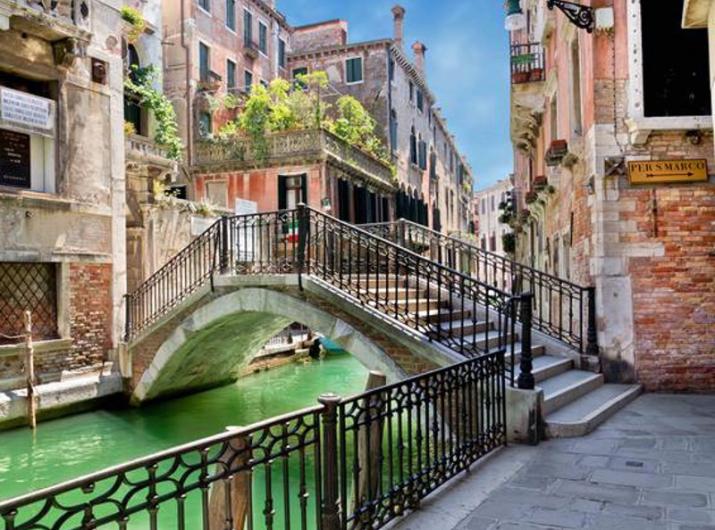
(297, 73)
(247, 79)
(264, 83)
(412, 91)
(205, 124)
(292, 190)
(217, 193)
(413, 146)
(554, 118)
(247, 29)
(204, 62)
(393, 130)
(281, 53)
(133, 112)
(391, 69)
(420, 101)
(576, 119)
(353, 70)
(422, 154)
(205, 5)
(231, 14)
(230, 74)
(33, 287)
(262, 38)
(675, 62)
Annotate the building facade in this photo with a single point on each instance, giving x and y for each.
(612, 135)
(490, 205)
(217, 47)
(434, 179)
(62, 187)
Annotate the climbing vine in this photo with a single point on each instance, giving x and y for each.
(140, 85)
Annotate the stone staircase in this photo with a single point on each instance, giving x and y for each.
(575, 401)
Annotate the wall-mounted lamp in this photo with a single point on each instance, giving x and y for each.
(515, 18)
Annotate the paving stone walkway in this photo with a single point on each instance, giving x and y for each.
(650, 467)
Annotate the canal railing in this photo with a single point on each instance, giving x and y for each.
(562, 309)
(369, 269)
(351, 463)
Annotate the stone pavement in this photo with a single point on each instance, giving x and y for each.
(650, 467)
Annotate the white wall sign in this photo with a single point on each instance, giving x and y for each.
(26, 110)
(244, 207)
(200, 224)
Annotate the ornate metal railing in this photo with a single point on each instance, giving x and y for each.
(293, 145)
(527, 63)
(562, 309)
(461, 312)
(353, 463)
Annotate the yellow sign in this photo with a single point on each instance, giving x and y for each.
(664, 171)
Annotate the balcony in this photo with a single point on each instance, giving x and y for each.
(293, 147)
(527, 63)
(52, 20)
(250, 49)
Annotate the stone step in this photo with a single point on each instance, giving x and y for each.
(372, 282)
(488, 340)
(442, 315)
(464, 327)
(418, 304)
(536, 351)
(583, 415)
(399, 293)
(567, 387)
(547, 366)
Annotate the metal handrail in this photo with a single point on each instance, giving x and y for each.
(264, 472)
(562, 309)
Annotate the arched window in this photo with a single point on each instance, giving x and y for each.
(413, 146)
(393, 130)
(133, 112)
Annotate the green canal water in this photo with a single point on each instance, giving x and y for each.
(69, 447)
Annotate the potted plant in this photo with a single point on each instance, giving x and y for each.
(556, 152)
(530, 197)
(135, 23)
(540, 182)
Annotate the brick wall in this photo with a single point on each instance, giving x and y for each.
(674, 294)
(90, 313)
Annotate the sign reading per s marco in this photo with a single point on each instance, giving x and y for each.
(665, 171)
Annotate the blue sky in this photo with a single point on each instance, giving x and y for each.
(467, 64)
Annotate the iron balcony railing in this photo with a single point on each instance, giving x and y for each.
(527, 63)
(345, 463)
(562, 309)
(460, 312)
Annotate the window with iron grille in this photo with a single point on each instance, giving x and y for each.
(28, 287)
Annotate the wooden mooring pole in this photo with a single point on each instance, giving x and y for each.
(30, 372)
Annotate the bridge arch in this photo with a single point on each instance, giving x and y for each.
(217, 340)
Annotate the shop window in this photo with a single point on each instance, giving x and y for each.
(675, 62)
(27, 133)
(28, 287)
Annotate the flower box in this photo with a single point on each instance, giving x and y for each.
(556, 152)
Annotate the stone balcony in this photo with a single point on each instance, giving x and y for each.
(140, 149)
(52, 20)
(293, 147)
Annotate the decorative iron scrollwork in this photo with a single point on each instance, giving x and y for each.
(582, 16)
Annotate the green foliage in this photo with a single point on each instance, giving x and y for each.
(135, 19)
(140, 85)
(509, 242)
(284, 107)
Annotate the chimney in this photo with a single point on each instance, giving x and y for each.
(398, 16)
(419, 50)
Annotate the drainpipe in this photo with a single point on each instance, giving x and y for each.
(187, 95)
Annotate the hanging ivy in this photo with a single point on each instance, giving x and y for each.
(140, 85)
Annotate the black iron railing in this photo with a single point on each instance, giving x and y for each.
(561, 309)
(353, 463)
(460, 312)
(527, 63)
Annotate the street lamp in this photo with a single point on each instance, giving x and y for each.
(515, 18)
(580, 15)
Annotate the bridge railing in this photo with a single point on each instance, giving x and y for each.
(458, 311)
(345, 463)
(562, 309)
